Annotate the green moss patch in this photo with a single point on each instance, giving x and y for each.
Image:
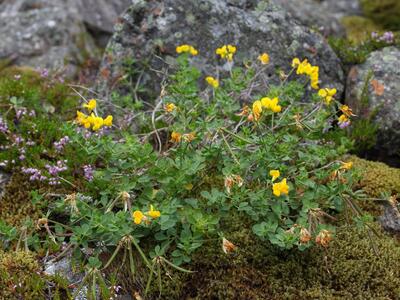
(383, 12)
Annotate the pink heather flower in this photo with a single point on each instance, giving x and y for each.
(88, 172)
(344, 125)
(3, 126)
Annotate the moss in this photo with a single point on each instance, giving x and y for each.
(383, 12)
(377, 177)
(359, 29)
(19, 276)
(348, 269)
(41, 94)
(16, 205)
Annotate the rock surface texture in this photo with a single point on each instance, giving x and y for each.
(55, 34)
(323, 15)
(380, 96)
(150, 30)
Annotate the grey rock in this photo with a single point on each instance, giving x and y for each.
(56, 34)
(390, 220)
(152, 29)
(43, 37)
(382, 67)
(323, 15)
(4, 179)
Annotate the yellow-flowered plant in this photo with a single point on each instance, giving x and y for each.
(170, 107)
(264, 58)
(176, 137)
(92, 121)
(327, 94)
(226, 52)
(91, 105)
(178, 180)
(280, 188)
(305, 68)
(212, 81)
(274, 174)
(187, 49)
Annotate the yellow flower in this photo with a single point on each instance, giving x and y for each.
(264, 58)
(257, 109)
(176, 137)
(138, 216)
(327, 94)
(275, 174)
(91, 105)
(226, 52)
(212, 81)
(280, 188)
(343, 119)
(169, 107)
(271, 104)
(108, 121)
(80, 117)
(186, 49)
(153, 213)
(295, 62)
(347, 110)
(347, 165)
(96, 122)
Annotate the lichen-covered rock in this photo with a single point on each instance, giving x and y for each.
(323, 15)
(150, 30)
(390, 220)
(45, 36)
(379, 96)
(383, 12)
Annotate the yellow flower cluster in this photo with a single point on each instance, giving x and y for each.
(327, 94)
(169, 107)
(186, 49)
(264, 58)
(139, 217)
(176, 137)
(92, 121)
(212, 81)
(344, 119)
(279, 187)
(274, 174)
(306, 68)
(266, 103)
(226, 52)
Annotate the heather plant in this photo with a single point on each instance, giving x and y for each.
(227, 142)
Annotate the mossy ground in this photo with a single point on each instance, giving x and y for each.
(16, 204)
(383, 12)
(347, 269)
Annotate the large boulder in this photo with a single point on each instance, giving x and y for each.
(149, 31)
(56, 33)
(43, 36)
(326, 16)
(373, 91)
